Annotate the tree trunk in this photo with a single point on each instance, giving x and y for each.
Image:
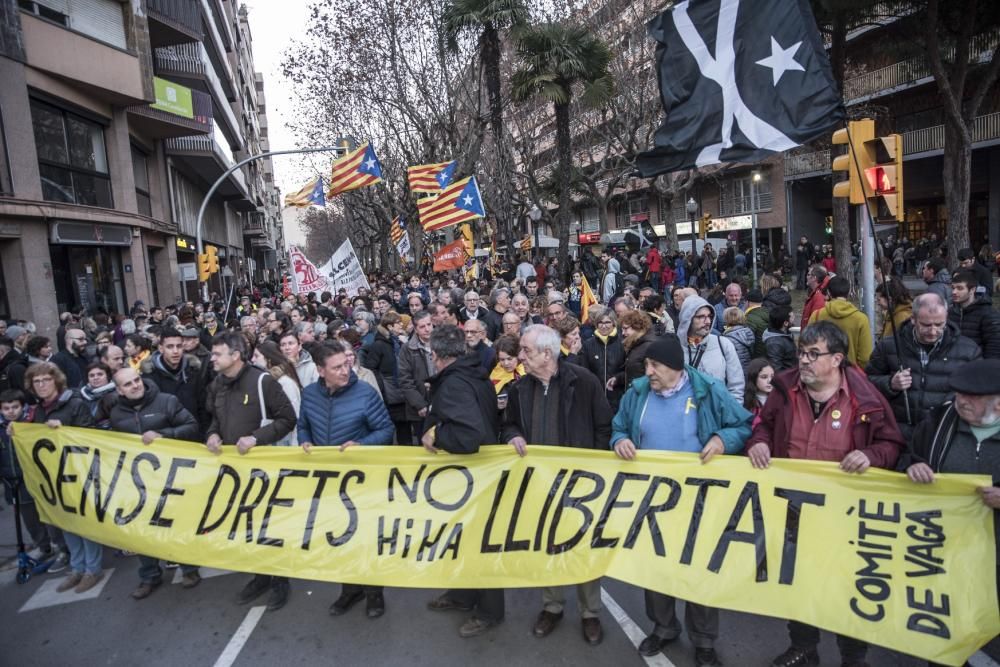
(842, 221)
(957, 175)
(670, 227)
(490, 54)
(564, 149)
(602, 214)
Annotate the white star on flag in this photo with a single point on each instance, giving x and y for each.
(369, 164)
(781, 60)
(467, 201)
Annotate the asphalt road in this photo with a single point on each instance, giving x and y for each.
(203, 626)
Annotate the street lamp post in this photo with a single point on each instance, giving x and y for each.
(535, 214)
(692, 210)
(754, 200)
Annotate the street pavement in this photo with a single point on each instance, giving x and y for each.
(203, 626)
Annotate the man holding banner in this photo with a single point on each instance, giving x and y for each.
(825, 410)
(249, 408)
(460, 428)
(563, 405)
(677, 408)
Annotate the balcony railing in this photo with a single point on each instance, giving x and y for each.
(909, 72)
(181, 16)
(762, 201)
(206, 145)
(985, 128)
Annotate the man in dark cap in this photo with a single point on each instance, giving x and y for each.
(677, 408)
(963, 436)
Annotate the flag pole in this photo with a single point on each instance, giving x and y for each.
(225, 175)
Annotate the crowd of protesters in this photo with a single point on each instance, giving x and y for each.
(680, 353)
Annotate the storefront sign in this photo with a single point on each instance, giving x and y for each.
(731, 223)
(82, 233)
(588, 238)
(172, 98)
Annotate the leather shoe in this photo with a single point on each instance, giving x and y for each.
(653, 644)
(706, 657)
(254, 589)
(145, 589)
(375, 605)
(797, 657)
(345, 602)
(279, 595)
(592, 632)
(546, 623)
(445, 603)
(190, 580)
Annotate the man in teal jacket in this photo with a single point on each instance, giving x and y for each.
(677, 408)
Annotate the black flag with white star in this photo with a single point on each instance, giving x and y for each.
(739, 80)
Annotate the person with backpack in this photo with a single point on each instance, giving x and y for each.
(612, 284)
(706, 350)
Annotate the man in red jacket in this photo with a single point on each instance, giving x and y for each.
(654, 264)
(816, 281)
(825, 410)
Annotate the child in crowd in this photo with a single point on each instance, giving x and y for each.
(760, 373)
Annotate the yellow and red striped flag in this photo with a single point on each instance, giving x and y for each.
(311, 194)
(355, 170)
(430, 178)
(459, 202)
(587, 299)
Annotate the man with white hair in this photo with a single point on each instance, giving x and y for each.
(562, 405)
(473, 308)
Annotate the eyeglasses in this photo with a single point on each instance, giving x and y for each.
(43, 380)
(812, 355)
(605, 323)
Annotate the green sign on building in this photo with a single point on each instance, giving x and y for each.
(172, 98)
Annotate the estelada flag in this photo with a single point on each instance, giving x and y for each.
(355, 170)
(587, 299)
(459, 202)
(311, 194)
(430, 178)
(452, 256)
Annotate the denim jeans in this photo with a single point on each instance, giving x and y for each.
(150, 572)
(85, 557)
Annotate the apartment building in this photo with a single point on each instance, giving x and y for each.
(115, 119)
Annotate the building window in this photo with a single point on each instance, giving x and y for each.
(44, 12)
(6, 184)
(590, 222)
(71, 157)
(637, 206)
(140, 169)
(741, 195)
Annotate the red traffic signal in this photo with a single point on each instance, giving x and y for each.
(881, 180)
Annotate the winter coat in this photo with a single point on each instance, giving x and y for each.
(68, 408)
(930, 386)
(854, 324)
(155, 411)
(414, 374)
(486, 355)
(99, 402)
(980, 322)
(354, 412)
(720, 309)
(718, 413)
(780, 350)
(584, 413)
(10, 467)
(743, 341)
(236, 409)
(605, 360)
(12, 369)
(305, 367)
(940, 284)
(188, 383)
(715, 355)
(635, 361)
(758, 319)
(73, 366)
(610, 282)
(382, 358)
(900, 316)
(815, 302)
(463, 408)
(873, 430)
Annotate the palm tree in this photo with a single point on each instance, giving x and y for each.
(488, 19)
(555, 59)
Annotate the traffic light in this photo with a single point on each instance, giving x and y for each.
(861, 133)
(885, 179)
(706, 226)
(203, 271)
(212, 253)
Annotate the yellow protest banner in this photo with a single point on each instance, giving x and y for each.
(872, 556)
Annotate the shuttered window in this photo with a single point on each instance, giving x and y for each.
(101, 19)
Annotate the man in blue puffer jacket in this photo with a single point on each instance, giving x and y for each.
(339, 410)
(677, 408)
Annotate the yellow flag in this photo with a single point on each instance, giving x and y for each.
(587, 299)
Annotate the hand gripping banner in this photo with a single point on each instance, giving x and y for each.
(872, 556)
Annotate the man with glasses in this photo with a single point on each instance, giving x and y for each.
(72, 361)
(511, 324)
(475, 341)
(825, 410)
(473, 309)
(555, 312)
(912, 370)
